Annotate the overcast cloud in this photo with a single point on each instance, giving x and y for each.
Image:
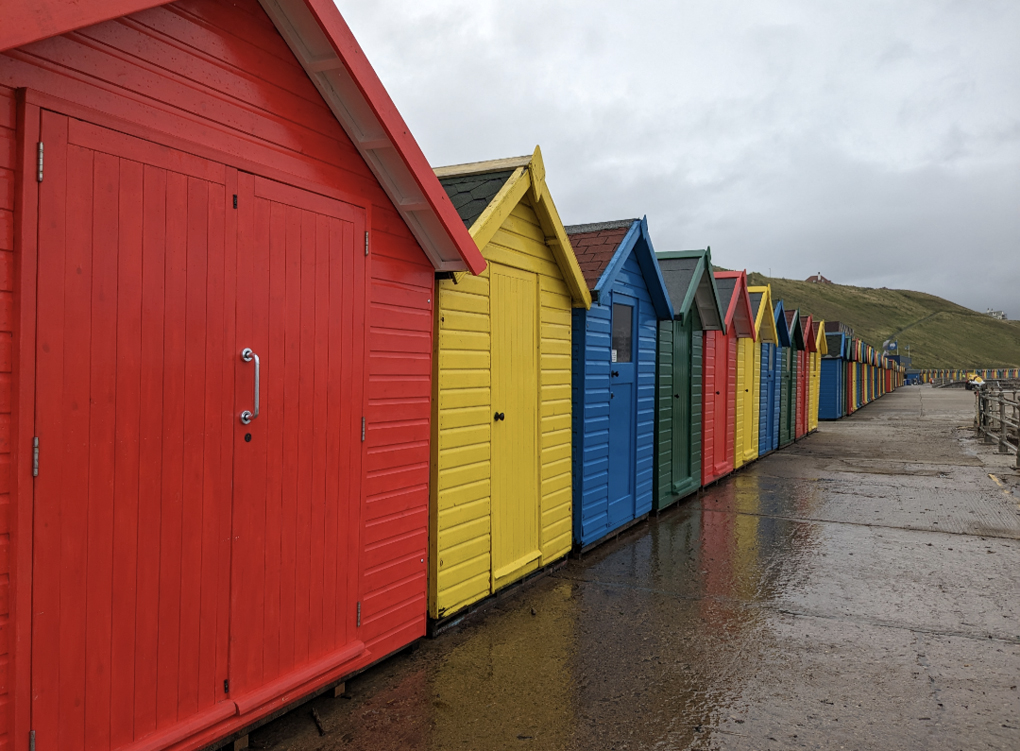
(876, 142)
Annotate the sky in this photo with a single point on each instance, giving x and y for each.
(875, 142)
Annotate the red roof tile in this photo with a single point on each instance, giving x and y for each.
(594, 251)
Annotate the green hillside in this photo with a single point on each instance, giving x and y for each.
(941, 334)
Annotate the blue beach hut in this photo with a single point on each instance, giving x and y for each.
(832, 391)
(613, 368)
(769, 373)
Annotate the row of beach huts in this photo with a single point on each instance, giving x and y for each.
(957, 375)
(276, 396)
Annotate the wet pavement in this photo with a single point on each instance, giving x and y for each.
(858, 590)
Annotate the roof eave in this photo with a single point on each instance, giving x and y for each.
(638, 241)
(332, 58)
(326, 48)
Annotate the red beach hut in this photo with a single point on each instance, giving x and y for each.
(804, 374)
(219, 244)
(719, 376)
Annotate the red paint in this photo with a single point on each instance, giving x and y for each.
(168, 554)
(804, 375)
(719, 381)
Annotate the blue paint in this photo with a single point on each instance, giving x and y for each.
(832, 387)
(768, 417)
(775, 379)
(614, 415)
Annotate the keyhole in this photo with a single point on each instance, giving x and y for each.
(247, 437)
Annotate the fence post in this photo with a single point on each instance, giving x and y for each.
(986, 420)
(1003, 449)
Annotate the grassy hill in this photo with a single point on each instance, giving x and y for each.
(941, 334)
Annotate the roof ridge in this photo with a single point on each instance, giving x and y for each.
(576, 229)
(481, 168)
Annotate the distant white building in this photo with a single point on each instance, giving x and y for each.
(998, 315)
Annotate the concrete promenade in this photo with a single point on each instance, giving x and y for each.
(858, 590)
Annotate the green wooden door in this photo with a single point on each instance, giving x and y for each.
(784, 397)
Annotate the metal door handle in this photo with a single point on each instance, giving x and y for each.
(499, 416)
(247, 354)
(616, 373)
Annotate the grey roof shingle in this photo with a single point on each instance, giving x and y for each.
(471, 194)
(756, 298)
(726, 285)
(678, 273)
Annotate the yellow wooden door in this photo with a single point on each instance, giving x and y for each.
(516, 549)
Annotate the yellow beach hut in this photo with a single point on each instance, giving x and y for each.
(815, 378)
(749, 370)
(501, 430)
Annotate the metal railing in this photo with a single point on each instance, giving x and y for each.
(997, 419)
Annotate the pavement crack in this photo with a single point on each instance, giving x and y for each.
(809, 520)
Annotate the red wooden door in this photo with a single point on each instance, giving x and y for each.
(297, 485)
(723, 412)
(184, 575)
(133, 414)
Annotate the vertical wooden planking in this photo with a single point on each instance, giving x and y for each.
(154, 205)
(47, 625)
(230, 433)
(350, 434)
(291, 315)
(76, 395)
(335, 581)
(215, 401)
(271, 294)
(319, 639)
(194, 374)
(129, 416)
(305, 333)
(171, 527)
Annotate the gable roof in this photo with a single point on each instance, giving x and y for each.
(834, 343)
(689, 282)
(732, 286)
(782, 327)
(764, 320)
(603, 249)
(821, 343)
(796, 329)
(595, 245)
(526, 178)
(332, 58)
(807, 325)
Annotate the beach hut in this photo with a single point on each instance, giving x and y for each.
(750, 356)
(804, 376)
(613, 370)
(221, 322)
(719, 380)
(501, 436)
(821, 349)
(772, 382)
(788, 426)
(696, 309)
(832, 391)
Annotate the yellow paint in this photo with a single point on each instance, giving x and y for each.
(764, 333)
(745, 438)
(501, 490)
(816, 376)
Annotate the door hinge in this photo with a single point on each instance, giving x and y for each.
(359, 613)
(35, 456)
(366, 243)
(31, 740)
(362, 428)
(235, 200)
(39, 174)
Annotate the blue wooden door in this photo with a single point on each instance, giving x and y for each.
(622, 394)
